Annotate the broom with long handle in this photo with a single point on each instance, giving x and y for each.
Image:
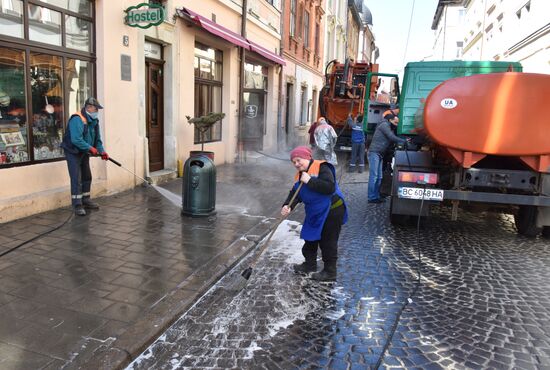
(245, 275)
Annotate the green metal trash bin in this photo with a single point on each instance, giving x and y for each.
(199, 187)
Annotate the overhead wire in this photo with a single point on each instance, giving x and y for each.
(408, 34)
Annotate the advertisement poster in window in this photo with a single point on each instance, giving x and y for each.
(12, 139)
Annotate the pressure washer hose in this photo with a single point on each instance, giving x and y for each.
(67, 220)
(133, 173)
(416, 286)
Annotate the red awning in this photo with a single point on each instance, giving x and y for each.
(215, 28)
(266, 53)
(229, 35)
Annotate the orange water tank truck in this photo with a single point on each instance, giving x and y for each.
(482, 141)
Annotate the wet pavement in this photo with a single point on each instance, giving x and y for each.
(482, 302)
(98, 290)
(94, 291)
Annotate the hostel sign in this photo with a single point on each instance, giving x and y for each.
(144, 15)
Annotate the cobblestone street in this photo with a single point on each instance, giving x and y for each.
(483, 300)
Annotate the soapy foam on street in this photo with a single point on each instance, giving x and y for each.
(290, 298)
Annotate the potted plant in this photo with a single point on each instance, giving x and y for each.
(203, 124)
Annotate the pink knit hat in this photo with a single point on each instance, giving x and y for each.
(302, 152)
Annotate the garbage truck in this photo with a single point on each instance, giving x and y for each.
(480, 139)
(352, 88)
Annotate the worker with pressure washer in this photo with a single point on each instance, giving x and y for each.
(325, 212)
(82, 138)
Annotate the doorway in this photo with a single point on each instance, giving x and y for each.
(254, 119)
(154, 114)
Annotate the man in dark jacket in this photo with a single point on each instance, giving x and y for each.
(82, 139)
(382, 138)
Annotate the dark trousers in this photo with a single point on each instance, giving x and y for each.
(357, 154)
(81, 176)
(329, 240)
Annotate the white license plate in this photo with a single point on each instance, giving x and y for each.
(416, 193)
(345, 148)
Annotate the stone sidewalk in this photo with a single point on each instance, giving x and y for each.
(96, 291)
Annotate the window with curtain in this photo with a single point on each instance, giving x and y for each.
(208, 88)
(300, 21)
(306, 29)
(293, 17)
(317, 35)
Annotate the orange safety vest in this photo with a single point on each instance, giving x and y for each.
(82, 117)
(313, 170)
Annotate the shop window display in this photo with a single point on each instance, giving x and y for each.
(13, 121)
(40, 86)
(47, 105)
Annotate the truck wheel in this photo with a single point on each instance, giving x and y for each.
(526, 221)
(546, 231)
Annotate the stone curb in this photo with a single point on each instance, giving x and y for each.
(142, 333)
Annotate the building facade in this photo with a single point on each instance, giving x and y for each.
(354, 26)
(335, 30)
(303, 42)
(56, 53)
(514, 30)
(367, 44)
(448, 27)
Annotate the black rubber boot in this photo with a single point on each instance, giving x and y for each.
(305, 267)
(88, 204)
(327, 274)
(79, 210)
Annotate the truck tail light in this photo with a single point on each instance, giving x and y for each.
(418, 177)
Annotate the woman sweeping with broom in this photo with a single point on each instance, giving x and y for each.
(325, 212)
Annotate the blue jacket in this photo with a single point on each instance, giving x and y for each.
(317, 205)
(357, 133)
(81, 134)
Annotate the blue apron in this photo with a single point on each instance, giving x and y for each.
(317, 206)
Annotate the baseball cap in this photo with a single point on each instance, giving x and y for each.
(93, 101)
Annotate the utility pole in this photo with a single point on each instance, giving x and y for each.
(240, 144)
